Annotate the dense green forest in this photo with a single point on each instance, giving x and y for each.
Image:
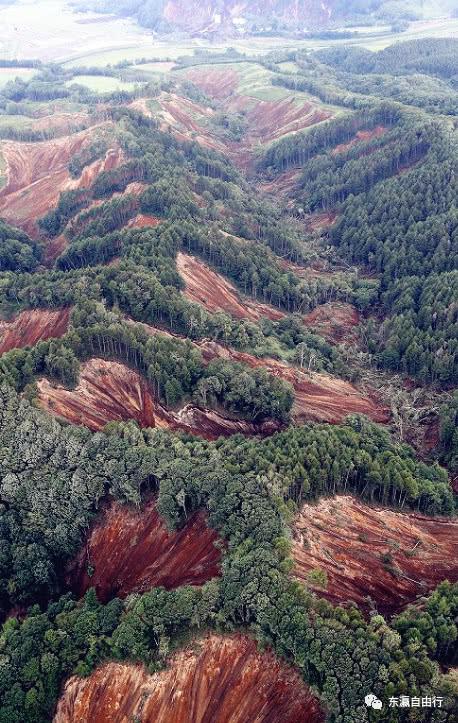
(395, 195)
(385, 167)
(42, 528)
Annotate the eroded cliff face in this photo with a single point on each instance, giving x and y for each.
(133, 551)
(369, 552)
(32, 326)
(38, 172)
(233, 16)
(108, 391)
(218, 680)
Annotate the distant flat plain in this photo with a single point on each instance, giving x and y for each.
(50, 30)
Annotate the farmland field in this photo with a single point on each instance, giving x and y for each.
(101, 83)
(7, 74)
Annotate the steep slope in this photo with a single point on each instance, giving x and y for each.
(109, 391)
(38, 172)
(132, 551)
(31, 326)
(215, 293)
(318, 397)
(369, 552)
(219, 679)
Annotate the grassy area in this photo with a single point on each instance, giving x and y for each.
(7, 74)
(133, 53)
(15, 121)
(102, 83)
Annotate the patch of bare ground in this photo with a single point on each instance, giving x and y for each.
(373, 554)
(335, 321)
(143, 220)
(218, 84)
(204, 286)
(38, 172)
(130, 550)
(317, 397)
(216, 680)
(321, 221)
(111, 392)
(31, 326)
(283, 185)
(360, 137)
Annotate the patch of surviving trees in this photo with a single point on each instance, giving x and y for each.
(396, 201)
(400, 222)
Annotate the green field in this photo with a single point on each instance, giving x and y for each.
(7, 74)
(101, 83)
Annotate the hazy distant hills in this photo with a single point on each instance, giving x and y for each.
(232, 17)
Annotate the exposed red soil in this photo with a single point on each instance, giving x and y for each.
(38, 172)
(391, 557)
(283, 185)
(269, 120)
(108, 391)
(335, 321)
(54, 248)
(204, 286)
(320, 221)
(189, 120)
(216, 680)
(31, 326)
(317, 397)
(133, 551)
(142, 220)
(218, 84)
(360, 137)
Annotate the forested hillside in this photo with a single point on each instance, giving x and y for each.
(228, 369)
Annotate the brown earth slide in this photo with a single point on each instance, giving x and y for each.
(204, 286)
(391, 557)
(38, 172)
(317, 397)
(133, 551)
(109, 391)
(216, 680)
(32, 326)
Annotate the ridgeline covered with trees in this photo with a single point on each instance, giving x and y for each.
(385, 168)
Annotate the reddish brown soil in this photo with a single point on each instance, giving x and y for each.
(269, 120)
(142, 220)
(218, 84)
(320, 221)
(31, 326)
(217, 680)
(335, 321)
(38, 172)
(391, 557)
(132, 551)
(283, 185)
(215, 293)
(318, 397)
(109, 391)
(360, 137)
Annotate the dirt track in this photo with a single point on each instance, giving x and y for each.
(216, 680)
(391, 557)
(133, 551)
